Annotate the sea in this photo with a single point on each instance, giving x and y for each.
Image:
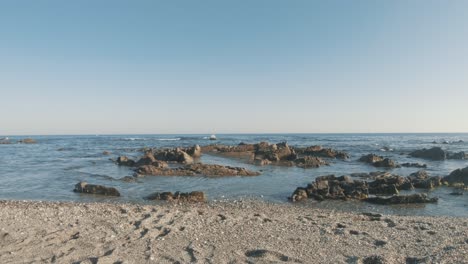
(48, 170)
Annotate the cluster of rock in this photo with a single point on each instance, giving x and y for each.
(5, 141)
(345, 187)
(195, 196)
(448, 142)
(319, 151)
(84, 187)
(437, 153)
(458, 177)
(379, 161)
(155, 157)
(264, 153)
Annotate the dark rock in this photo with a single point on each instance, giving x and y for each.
(124, 161)
(413, 165)
(458, 176)
(310, 162)
(415, 260)
(456, 193)
(194, 151)
(459, 155)
(435, 153)
(195, 196)
(378, 161)
(299, 195)
(84, 187)
(402, 199)
(331, 187)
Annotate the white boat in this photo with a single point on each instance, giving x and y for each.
(212, 137)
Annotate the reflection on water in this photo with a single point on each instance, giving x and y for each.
(50, 169)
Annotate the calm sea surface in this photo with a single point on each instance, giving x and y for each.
(50, 169)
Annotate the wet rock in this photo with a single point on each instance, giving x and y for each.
(147, 159)
(299, 195)
(458, 176)
(211, 170)
(331, 187)
(378, 161)
(319, 151)
(262, 162)
(27, 141)
(219, 170)
(106, 153)
(128, 179)
(162, 171)
(125, 161)
(421, 179)
(459, 155)
(274, 152)
(84, 187)
(194, 151)
(402, 199)
(435, 153)
(194, 196)
(413, 165)
(456, 193)
(173, 155)
(310, 162)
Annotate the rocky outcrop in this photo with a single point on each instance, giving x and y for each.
(457, 177)
(310, 162)
(319, 151)
(402, 199)
(125, 161)
(198, 169)
(378, 161)
(84, 187)
(435, 153)
(194, 197)
(27, 141)
(274, 152)
(174, 155)
(421, 179)
(331, 187)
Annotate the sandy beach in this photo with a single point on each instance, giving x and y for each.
(222, 232)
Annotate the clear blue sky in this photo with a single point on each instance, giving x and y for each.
(96, 67)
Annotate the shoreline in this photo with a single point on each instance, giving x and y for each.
(221, 232)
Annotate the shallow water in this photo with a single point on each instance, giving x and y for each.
(50, 169)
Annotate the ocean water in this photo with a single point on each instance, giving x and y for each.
(49, 169)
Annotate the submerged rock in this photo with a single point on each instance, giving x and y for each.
(402, 199)
(125, 161)
(84, 187)
(194, 196)
(435, 153)
(458, 155)
(211, 170)
(310, 162)
(457, 177)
